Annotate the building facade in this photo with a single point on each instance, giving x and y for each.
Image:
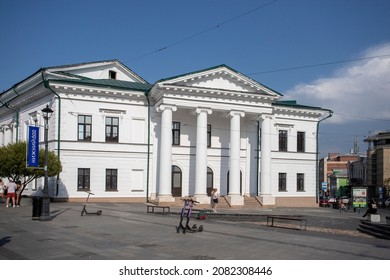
(378, 162)
(123, 138)
(357, 172)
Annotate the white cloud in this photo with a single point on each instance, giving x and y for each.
(357, 92)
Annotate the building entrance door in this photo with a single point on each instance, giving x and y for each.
(176, 181)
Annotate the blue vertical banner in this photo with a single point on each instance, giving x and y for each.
(33, 147)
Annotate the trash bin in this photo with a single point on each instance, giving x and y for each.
(37, 207)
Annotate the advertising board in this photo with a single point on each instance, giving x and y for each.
(359, 197)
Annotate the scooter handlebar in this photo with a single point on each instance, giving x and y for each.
(190, 199)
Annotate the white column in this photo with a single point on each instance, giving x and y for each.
(165, 182)
(234, 196)
(2, 136)
(265, 162)
(7, 135)
(201, 156)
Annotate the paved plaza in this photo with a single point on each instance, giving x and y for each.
(126, 231)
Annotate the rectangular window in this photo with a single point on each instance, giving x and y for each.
(112, 74)
(282, 182)
(83, 179)
(112, 129)
(175, 133)
(301, 141)
(209, 135)
(283, 140)
(84, 128)
(111, 179)
(300, 182)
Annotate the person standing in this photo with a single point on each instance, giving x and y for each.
(11, 187)
(214, 199)
(1, 189)
(18, 192)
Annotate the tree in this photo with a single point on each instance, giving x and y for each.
(13, 164)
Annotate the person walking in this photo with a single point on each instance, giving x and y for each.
(11, 187)
(371, 207)
(214, 199)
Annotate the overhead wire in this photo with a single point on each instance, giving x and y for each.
(202, 31)
(319, 64)
(266, 71)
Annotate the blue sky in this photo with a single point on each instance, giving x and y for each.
(160, 39)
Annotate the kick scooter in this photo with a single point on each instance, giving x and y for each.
(188, 204)
(84, 211)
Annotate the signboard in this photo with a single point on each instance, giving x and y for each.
(324, 186)
(359, 197)
(33, 147)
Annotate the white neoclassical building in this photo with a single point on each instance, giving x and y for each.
(125, 139)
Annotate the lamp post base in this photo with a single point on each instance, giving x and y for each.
(45, 213)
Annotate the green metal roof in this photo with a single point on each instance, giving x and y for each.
(293, 103)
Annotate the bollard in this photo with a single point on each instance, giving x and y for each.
(36, 207)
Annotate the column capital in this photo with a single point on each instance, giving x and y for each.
(9, 126)
(265, 116)
(163, 107)
(235, 113)
(201, 109)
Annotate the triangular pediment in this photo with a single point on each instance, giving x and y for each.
(95, 70)
(219, 78)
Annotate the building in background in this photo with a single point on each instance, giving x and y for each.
(357, 172)
(126, 139)
(378, 162)
(333, 170)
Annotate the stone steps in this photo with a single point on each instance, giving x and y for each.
(378, 230)
(249, 203)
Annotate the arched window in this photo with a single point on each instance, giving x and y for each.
(210, 180)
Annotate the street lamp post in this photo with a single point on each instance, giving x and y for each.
(45, 210)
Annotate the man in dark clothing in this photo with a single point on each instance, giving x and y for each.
(371, 207)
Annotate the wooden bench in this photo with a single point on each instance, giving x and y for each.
(197, 210)
(302, 221)
(150, 208)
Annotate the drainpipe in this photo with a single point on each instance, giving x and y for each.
(317, 154)
(47, 85)
(148, 161)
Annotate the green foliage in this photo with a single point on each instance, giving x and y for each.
(13, 163)
(342, 191)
